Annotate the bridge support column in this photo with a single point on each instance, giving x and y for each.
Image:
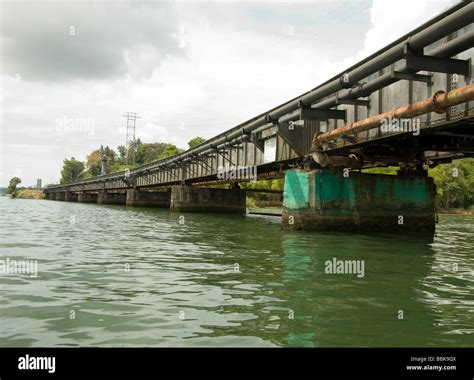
(71, 197)
(109, 198)
(60, 196)
(327, 200)
(198, 199)
(137, 198)
(84, 197)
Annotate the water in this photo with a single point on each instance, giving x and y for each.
(117, 276)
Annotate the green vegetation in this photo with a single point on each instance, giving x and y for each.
(392, 170)
(71, 171)
(119, 160)
(195, 142)
(271, 184)
(257, 200)
(455, 184)
(11, 189)
(94, 162)
(30, 194)
(146, 153)
(22, 192)
(170, 150)
(264, 200)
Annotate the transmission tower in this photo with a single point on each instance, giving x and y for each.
(130, 140)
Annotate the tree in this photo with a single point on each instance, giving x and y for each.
(132, 150)
(94, 161)
(170, 150)
(11, 189)
(149, 152)
(455, 183)
(71, 170)
(122, 152)
(195, 142)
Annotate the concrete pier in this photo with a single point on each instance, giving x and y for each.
(109, 198)
(327, 200)
(50, 196)
(199, 199)
(87, 197)
(71, 197)
(61, 196)
(137, 198)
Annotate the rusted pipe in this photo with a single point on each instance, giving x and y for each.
(439, 103)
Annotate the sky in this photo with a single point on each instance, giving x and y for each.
(69, 71)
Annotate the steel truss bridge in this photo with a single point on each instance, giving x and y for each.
(436, 56)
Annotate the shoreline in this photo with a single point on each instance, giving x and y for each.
(455, 212)
(270, 211)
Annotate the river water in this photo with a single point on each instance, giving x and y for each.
(117, 276)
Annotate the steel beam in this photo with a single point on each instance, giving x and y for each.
(259, 144)
(308, 113)
(353, 102)
(417, 62)
(411, 76)
(292, 133)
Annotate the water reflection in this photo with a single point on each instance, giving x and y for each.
(365, 311)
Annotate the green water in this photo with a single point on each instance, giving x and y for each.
(117, 276)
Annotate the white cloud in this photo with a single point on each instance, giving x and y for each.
(392, 19)
(389, 20)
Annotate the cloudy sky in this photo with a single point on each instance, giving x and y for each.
(70, 70)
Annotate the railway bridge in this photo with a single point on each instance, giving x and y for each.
(409, 104)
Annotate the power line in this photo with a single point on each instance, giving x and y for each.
(130, 137)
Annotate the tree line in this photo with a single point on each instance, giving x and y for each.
(137, 154)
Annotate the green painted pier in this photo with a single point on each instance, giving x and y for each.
(352, 201)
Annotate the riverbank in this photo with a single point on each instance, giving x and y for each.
(29, 194)
(456, 211)
(271, 211)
